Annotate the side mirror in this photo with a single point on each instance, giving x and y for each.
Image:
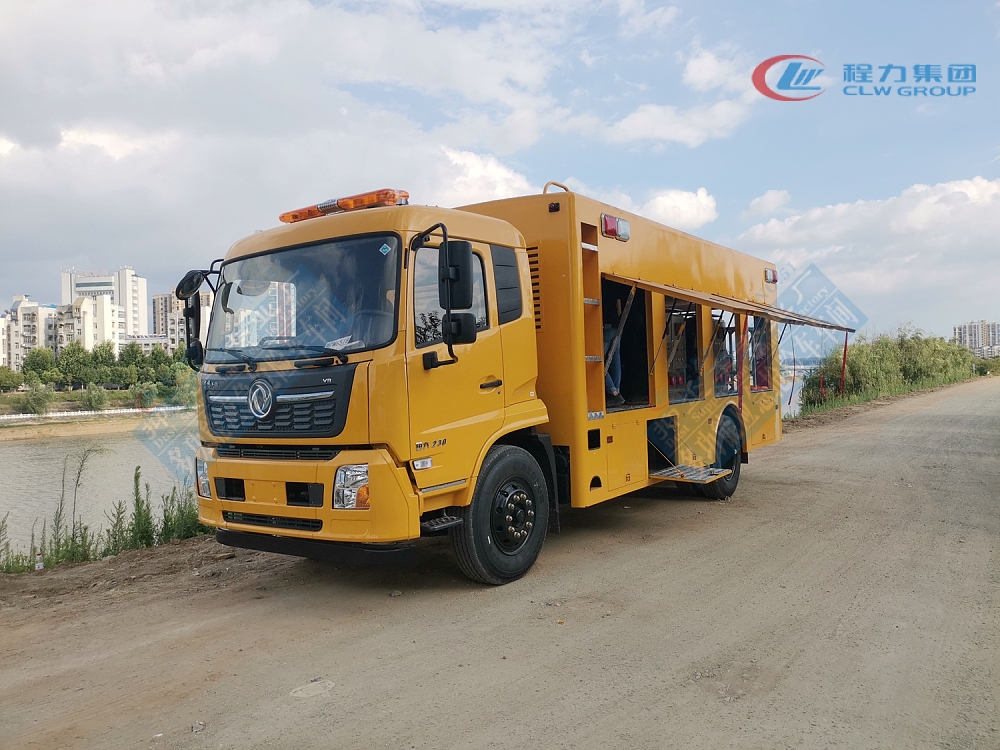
(193, 349)
(455, 274)
(190, 284)
(458, 328)
(195, 355)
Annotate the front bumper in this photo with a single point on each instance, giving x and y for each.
(393, 516)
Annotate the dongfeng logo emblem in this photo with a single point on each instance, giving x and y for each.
(789, 78)
(260, 399)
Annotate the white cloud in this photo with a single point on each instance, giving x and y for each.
(6, 146)
(929, 254)
(692, 126)
(476, 178)
(704, 71)
(115, 145)
(636, 20)
(769, 202)
(681, 209)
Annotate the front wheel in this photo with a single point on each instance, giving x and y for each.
(728, 447)
(504, 525)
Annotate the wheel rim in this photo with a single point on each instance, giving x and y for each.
(513, 516)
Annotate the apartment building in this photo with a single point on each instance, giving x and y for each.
(28, 325)
(981, 336)
(126, 289)
(88, 320)
(165, 305)
(3, 339)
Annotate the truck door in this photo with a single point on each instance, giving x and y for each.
(455, 408)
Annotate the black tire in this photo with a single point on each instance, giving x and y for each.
(511, 485)
(728, 447)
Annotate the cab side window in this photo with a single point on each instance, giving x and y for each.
(508, 283)
(427, 313)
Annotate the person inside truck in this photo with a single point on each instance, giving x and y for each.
(613, 374)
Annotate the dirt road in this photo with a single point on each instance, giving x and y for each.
(847, 596)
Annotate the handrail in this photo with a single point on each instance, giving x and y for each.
(545, 189)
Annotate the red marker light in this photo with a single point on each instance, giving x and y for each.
(609, 225)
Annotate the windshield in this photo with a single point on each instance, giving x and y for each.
(338, 295)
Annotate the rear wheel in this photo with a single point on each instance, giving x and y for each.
(728, 447)
(504, 526)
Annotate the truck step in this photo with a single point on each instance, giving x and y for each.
(692, 474)
(440, 524)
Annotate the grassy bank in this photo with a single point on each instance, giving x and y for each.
(65, 538)
(887, 365)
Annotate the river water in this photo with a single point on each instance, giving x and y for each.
(31, 472)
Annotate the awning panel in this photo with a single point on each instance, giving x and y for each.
(730, 304)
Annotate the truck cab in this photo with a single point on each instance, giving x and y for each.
(341, 405)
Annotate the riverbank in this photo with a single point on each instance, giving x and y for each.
(80, 424)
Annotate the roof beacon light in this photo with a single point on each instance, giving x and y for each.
(374, 199)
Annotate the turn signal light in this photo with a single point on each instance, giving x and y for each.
(351, 203)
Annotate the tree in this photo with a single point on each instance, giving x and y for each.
(157, 356)
(53, 377)
(39, 360)
(9, 379)
(179, 355)
(122, 375)
(104, 354)
(76, 364)
(132, 354)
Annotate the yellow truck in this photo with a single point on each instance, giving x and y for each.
(375, 372)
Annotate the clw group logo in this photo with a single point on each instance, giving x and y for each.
(796, 78)
(789, 78)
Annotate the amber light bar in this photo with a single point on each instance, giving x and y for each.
(373, 199)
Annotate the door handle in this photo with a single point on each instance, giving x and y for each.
(491, 384)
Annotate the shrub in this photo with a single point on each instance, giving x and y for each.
(145, 394)
(37, 399)
(94, 398)
(888, 365)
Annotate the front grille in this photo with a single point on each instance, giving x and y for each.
(302, 418)
(278, 452)
(274, 522)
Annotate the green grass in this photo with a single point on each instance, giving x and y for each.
(66, 539)
(11, 402)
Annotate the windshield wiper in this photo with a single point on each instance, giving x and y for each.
(250, 361)
(322, 351)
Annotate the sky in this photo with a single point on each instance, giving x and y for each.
(156, 134)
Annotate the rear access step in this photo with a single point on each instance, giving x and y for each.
(692, 474)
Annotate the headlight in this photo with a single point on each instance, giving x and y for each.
(350, 489)
(201, 472)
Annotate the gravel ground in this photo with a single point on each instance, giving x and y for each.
(847, 596)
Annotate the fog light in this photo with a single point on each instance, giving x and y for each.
(201, 472)
(350, 488)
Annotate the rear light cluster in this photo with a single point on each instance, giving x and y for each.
(612, 226)
(770, 276)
